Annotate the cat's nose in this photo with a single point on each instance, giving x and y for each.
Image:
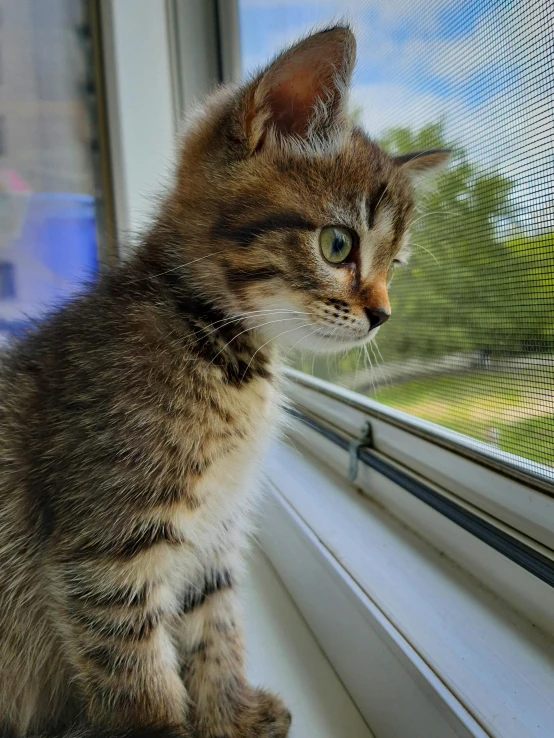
(376, 316)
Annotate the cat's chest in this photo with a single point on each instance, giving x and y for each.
(224, 449)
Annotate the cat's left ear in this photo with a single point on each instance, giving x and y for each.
(420, 163)
(302, 94)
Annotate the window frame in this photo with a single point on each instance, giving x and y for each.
(461, 466)
(204, 47)
(397, 593)
(377, 656)
(107, 238)
(478, 554)
(149, 94)
(141, 118)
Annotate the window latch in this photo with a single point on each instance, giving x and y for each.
(364, 441)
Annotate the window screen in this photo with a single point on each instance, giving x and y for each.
(470, 345)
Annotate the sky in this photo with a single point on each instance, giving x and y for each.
(484, 67)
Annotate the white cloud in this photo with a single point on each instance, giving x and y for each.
(387, 105)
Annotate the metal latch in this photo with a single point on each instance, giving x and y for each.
(365, 441)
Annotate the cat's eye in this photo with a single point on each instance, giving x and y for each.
(336, 244)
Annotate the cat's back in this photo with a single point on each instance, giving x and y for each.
(58, 386)
(47, 378)
(18, 400)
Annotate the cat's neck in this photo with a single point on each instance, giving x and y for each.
(218, 336)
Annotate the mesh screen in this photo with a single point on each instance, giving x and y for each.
(470, 345)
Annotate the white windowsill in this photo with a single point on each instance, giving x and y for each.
(400, 622)
(283, 655)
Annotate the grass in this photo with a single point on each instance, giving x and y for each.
(527, 436)
(515, 411)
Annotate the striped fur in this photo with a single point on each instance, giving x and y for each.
(132, 421)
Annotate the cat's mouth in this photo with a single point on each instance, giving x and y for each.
(344, 338)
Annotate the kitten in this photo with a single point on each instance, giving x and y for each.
(133, 420)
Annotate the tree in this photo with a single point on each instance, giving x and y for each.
(447, 299)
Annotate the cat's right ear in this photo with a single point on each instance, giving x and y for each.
(301, 97)
(418, 164)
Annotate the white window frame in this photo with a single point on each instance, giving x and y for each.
(497, 484)
(432, 632)
(142, 118)
(160, 58)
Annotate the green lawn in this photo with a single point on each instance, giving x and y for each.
(516, 411)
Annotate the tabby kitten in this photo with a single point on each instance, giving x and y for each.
(133, 420)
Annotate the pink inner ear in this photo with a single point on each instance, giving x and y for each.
(292, 102)
(315, 71)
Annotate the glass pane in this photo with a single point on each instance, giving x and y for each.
(48, 154)
(470, 344)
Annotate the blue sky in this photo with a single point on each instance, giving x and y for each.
(263, 22)
(482, 66)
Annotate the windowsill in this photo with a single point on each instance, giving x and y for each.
(283, 655)
(456, 656)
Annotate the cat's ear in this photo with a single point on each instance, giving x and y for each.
(420, 163)
(302, 94)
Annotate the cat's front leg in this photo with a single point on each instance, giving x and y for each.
(116, 637)
(224, 705)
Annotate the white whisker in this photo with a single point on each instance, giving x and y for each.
(356, 369)
(434, 212)
(188, 263)
(371, 372)
(383, 364)
(254, 328)
(301, 339)
(372, 349)
(227, 321)
(296, 328)
(431, 254)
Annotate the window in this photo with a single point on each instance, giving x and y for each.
(50, 197)
(470, 346)
(400, 622)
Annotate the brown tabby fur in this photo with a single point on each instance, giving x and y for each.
(132, 420)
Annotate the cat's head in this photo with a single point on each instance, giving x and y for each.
(293, 218)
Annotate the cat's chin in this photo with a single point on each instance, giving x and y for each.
(333, 346)
(322, 342)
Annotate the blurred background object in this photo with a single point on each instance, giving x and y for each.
(52, 204)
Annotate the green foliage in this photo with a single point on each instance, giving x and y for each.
(529, 269)
(443, 302)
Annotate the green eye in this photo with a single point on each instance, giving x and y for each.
(336, 244)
